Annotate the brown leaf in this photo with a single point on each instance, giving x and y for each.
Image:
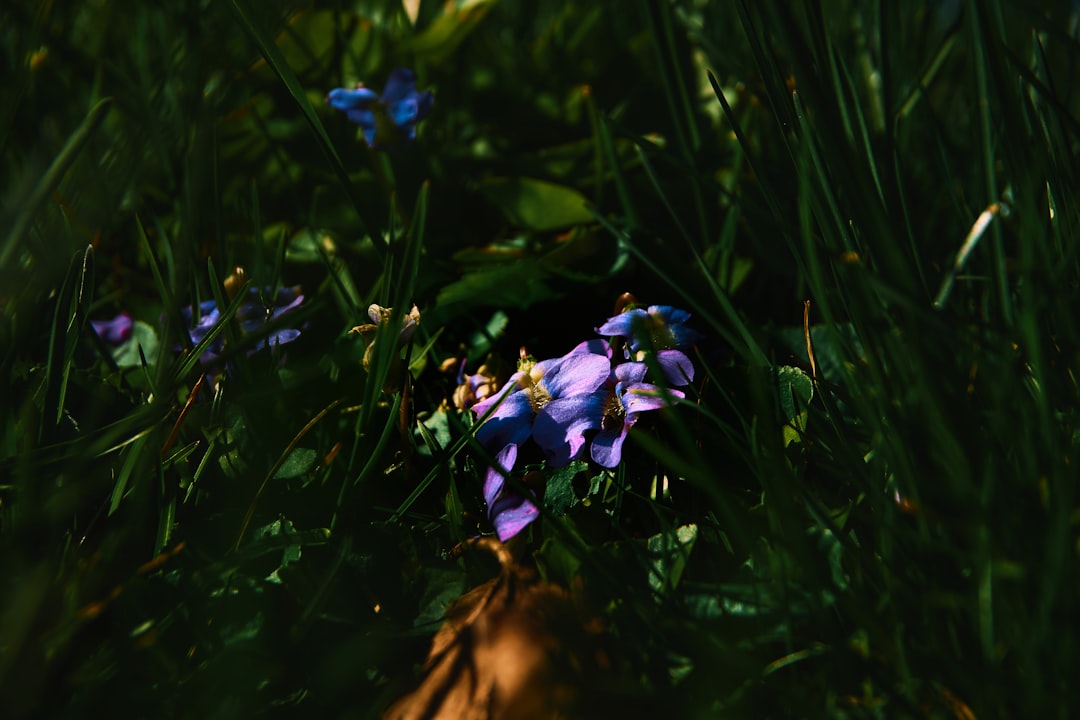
(514, 647)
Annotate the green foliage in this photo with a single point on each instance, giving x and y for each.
(887, 527)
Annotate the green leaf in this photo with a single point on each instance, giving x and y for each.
(559, 495)
(127, 354)
(536, 204)
(796, 390)
(668, 553)
(299, 462)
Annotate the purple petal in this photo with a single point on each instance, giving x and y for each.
(493, 479)
(594, 347)
(512, 513)
(607, 447)
(630, 372)
(641, 397)
(510, 423)
(678, 370)
(561, 425)
(577, 375)
(115, 331)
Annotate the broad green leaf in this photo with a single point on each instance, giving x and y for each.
(142, 336)
(536, 204)
(559, 495)
(299, 462)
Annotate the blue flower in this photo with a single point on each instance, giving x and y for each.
(388, 120)
(660, 327)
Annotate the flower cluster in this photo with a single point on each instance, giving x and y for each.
(387, 120)
(581, 405)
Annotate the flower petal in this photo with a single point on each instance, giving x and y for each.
(345, 99)
(622, 325)
(561, 425)
(512, 513)
(510, 423)
(678, 370)
(400, 84)
(641, 397)
(594, 347)
(493, 479)
(607, 447)
(630, 372)
(577, 374)
(115, 331)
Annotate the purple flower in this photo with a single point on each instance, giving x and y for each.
(612, 411)
(529, 391)
(116, 331)
(509, 510)
(253, 315)
(661, 327)
(388, 120)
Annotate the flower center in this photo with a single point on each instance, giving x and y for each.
(614, 414)
(538, 396)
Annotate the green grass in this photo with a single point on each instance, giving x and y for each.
(889, 528)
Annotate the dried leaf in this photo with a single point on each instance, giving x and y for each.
(512, 647)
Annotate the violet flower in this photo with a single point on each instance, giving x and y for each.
(611, 411)
(116, 331)
(663, 326)
(529, 391)
(387, 120)
(253, 315)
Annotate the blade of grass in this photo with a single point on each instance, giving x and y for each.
(52, 177)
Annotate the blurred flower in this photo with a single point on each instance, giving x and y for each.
(663, 326)
(253, 315)
(115, 331)
(390, 119)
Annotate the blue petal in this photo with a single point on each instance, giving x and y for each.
(344, 99)
(400, 84)
(366, 120)
(622, 325)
